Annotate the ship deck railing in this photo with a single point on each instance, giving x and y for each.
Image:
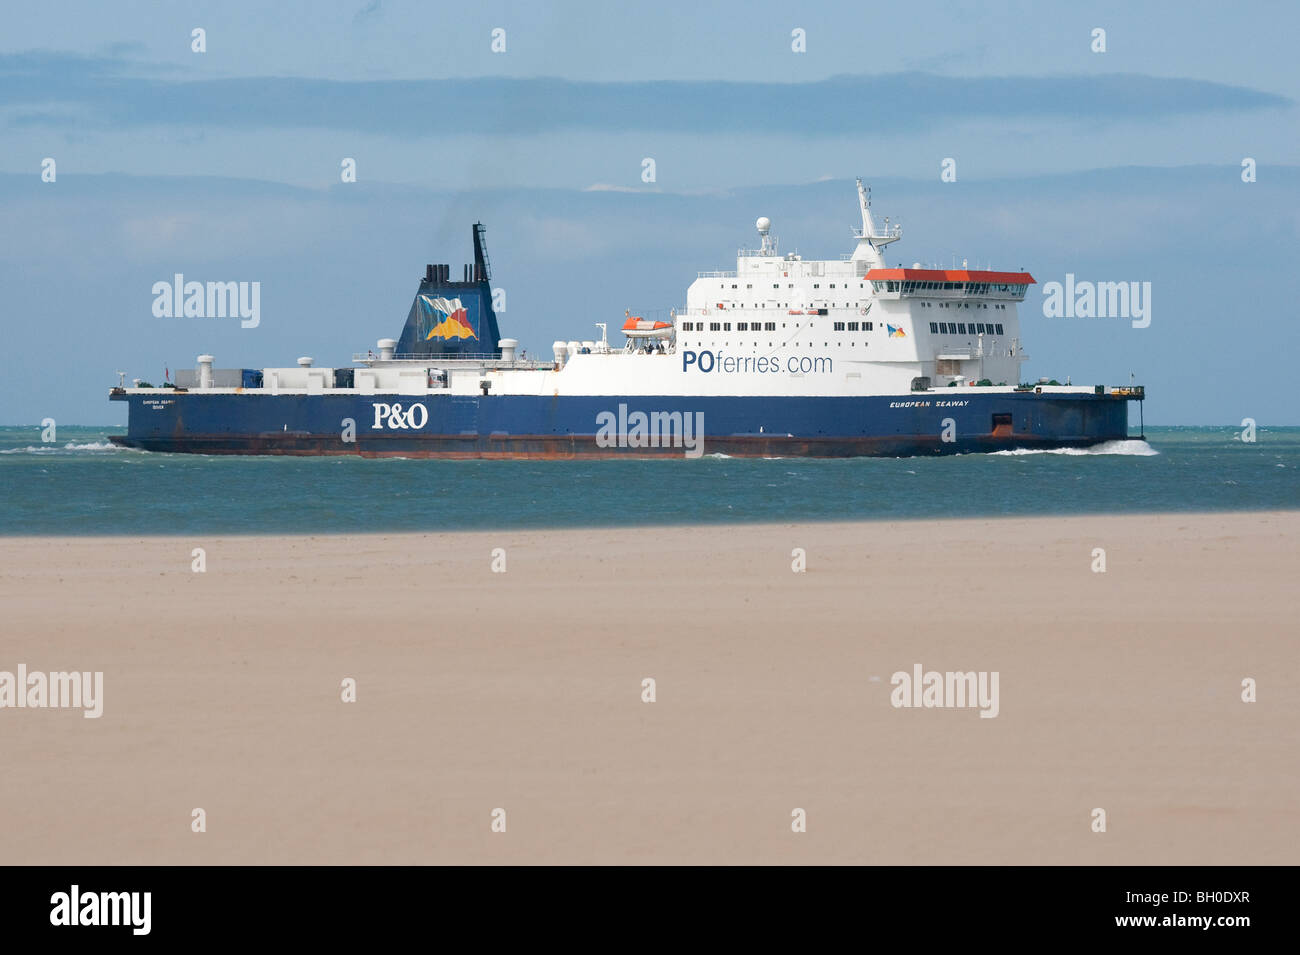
(486, 358)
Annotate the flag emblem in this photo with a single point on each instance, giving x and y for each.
(455, 318)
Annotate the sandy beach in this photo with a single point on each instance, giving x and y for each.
(479, 690)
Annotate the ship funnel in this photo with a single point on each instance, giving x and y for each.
(204, 370)
(387, 348)
(451, 318)
(508, 346)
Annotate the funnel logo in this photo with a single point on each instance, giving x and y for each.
(454, 318)
(896, 331)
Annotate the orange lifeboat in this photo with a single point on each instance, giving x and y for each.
(638, 327)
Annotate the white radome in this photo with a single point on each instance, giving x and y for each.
(763, 224)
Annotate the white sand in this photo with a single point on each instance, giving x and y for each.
(522, 690)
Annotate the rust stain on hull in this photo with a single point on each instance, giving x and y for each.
(569, 447)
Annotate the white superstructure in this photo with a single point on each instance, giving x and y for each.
(778, 324)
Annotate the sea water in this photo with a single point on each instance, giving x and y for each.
(82, 484)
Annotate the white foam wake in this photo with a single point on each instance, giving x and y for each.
(1130, 446)
(70, 446)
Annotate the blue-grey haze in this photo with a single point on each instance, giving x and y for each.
(338, 268)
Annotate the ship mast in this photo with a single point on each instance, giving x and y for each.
(870, 239)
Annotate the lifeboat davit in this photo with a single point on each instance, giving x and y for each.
(638, 327)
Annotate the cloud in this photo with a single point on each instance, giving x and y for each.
(121, 49)
(110, 93)
(371, 12)
(949, 59)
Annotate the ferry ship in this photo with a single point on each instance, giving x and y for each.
(782, 356)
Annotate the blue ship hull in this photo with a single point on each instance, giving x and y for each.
(504, 426)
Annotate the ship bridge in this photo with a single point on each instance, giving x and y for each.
(949, 283)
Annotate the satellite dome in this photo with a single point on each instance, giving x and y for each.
(763, 223)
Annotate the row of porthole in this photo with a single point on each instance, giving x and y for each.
(815, 285)
(769, 344)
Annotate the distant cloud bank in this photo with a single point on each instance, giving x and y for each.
(59, 89)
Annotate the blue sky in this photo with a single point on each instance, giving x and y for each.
(224, 165)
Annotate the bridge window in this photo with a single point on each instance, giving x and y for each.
(715, 326)
(837, 326)
(726, 326)
(999, 328)
(769, 326)
(934, 328)
(853, 326)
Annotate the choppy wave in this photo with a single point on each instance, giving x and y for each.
(82, 484)
(1131, 446)
(70, 446)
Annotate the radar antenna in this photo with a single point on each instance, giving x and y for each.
(877, 240)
